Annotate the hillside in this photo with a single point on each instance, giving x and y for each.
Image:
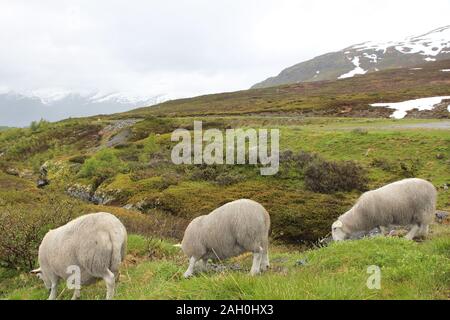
(345, 98)
(366, 58)
(333, 145)
(78, 158)
(153, 270)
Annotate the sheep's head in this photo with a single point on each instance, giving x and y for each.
(337, 231)
(38, 273)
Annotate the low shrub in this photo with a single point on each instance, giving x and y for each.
(23, 227)
(103, 165)
(409, 169)
(383, 164)
(331, 176)
(299, 160)
(78, 159)
(153, 224)
(360, 131)
(151, 125)
(406, 168)
(220, 174)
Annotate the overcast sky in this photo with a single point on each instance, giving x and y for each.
(185, 48)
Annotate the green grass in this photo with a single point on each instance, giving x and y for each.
(154, 268)
(330, 118)
(141, 172)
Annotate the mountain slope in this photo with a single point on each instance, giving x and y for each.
(367, 57)
(347, 97)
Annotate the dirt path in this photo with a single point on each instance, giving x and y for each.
(424, 125)
(439, 125)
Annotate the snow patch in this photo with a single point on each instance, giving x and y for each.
(49, 95)
(401, 108)
(445, 70)
(429, 59)
(372, 57)
(357, 70)
(429, 44)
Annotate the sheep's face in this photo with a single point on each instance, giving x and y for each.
(337, 231)
(38, 273)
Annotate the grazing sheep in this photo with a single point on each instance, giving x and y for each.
(230, 230)
(408, 202)
(93, 245)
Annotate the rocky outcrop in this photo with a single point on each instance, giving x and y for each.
(43, 180)
(89, 194)
(25, 173)
(80, 191)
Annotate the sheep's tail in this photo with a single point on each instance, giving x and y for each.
(119, 249)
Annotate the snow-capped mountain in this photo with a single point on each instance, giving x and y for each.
(367, 57)
(18, 110)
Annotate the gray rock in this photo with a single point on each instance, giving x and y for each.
(301, 262)
(441, 215)
(119, 139)
(12, 171)
(42, 183)
(364, 234)
(80, 191)
(119, 125)
(128, 206)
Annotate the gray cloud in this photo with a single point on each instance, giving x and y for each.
(185, 48)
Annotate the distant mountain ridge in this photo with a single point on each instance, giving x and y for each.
(18, 110)
(367, 57)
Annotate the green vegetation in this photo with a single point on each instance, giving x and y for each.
(347, 98)
(325, 164)
(103, 165)
(140, 173)
(154, 268)
(23, 227)
(328, 157)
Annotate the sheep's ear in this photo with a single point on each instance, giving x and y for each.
(36, 271)
(337, 224)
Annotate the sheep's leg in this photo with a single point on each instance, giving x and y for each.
(201, 265)
(76, 294)
(412, 233)
(190, 270)
(110, 280)
(54, 289)
(384, 230)
(423, 231)
(256, 266)
(265, 260)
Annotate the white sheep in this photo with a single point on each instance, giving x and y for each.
(230, 230)
(83, 250)
(408, 202)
